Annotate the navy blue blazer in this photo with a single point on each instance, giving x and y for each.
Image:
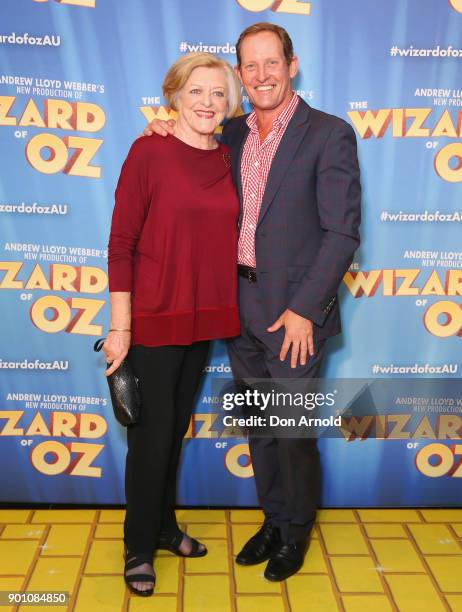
(307, 230)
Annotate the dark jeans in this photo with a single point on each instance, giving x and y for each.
(169, 378)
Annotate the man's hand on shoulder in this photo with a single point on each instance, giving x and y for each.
(159, 127)
(299, 334)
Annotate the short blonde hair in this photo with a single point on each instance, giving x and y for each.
(180, 72)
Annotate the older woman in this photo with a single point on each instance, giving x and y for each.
(172, 283)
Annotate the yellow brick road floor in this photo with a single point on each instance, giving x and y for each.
(359, 560)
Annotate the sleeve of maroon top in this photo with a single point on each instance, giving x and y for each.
(130, 211)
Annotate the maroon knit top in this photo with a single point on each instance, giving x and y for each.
(173, 242)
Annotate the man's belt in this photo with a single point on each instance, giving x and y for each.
(247, 272)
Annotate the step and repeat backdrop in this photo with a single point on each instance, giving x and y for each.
(79, 79)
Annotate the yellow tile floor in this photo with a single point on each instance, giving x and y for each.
(359, 560)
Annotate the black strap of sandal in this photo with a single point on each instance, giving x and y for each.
(195, 547)
(140, 578)
(132, 560)
(173, 542)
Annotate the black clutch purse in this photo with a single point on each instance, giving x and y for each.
(123, 387)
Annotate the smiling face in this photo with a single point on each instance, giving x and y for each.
(203, 101)
(264, 71)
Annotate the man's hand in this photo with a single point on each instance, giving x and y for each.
(157, 126)
(299, 334)
(115, 349)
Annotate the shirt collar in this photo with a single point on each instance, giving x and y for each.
(281, 120)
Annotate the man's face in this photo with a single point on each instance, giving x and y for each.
(264, 71)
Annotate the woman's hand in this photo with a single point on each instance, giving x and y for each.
(115, 349)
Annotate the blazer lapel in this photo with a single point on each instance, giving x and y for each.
(293, 136)
(236, 161)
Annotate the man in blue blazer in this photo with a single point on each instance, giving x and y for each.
(297, 175)
(304, 241)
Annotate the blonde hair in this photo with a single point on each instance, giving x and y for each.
(180, 72)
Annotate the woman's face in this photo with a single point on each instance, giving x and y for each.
(203, 101)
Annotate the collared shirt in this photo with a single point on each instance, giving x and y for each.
(255, 166)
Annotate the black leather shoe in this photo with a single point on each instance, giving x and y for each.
(285, 561)
(261, 546)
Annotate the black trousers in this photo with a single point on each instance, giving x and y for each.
(287, 470)
(169, 377)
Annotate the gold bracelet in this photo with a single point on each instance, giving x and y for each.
(119, 329)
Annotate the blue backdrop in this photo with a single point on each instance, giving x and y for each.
(78, 80)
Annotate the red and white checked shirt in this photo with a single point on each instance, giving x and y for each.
(255, 166)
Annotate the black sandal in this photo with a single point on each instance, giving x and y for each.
(172, 542)
(133, 560)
